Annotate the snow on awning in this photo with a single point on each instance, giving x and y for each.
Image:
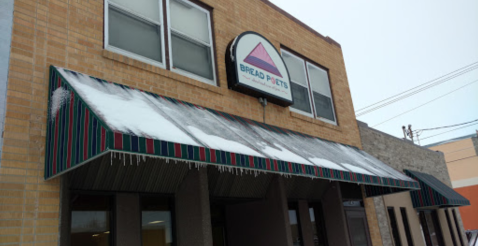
(89, 117)
(434, 193)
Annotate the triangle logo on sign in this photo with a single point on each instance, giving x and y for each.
(261, 59)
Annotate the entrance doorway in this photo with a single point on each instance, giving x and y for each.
(358, 226)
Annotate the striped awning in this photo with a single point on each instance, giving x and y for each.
(434, 193)
(90, 117)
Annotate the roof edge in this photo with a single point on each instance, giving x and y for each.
(310, 29)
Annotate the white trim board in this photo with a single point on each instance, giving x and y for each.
(465, 182)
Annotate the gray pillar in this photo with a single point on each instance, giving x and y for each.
(261, 223)
(305, 223)
(334, 216)
(382, 219)
(65, 211)
(193, 217)
(128, 221)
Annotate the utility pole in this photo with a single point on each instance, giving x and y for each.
(410, 132)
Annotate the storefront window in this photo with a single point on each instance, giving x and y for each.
(394, 226)
(403, 212)
(316, 218)
(156, 228)
(294, 226)
(90, 220)
(431, 227)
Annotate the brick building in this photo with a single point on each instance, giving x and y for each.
(404, 219)
(129, 124)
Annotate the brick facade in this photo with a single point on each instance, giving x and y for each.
(70, 34)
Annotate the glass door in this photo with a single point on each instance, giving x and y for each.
(358, 227)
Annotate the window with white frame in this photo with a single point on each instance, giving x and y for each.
(182, 42)
(310, 88)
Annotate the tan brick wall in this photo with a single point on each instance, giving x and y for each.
(372, 220)
(70, 34)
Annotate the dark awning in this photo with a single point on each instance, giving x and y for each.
(90, 117)
(434, 193)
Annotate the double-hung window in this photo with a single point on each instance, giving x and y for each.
(191, 41)
(135, 29)
(310, 88)
(181, 42)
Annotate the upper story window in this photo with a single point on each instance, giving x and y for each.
(183, 43)
(310, 88)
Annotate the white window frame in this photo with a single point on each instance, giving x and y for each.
(311, 105)
(132, 55)
(211, 45)
(310, 91)
(312, 95)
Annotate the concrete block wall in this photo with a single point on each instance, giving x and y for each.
(70, 34)
(403, 154)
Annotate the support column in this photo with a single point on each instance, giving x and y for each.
(128, 221)
(334, 216)
(261, 223)
(193, 217)
(305, 223)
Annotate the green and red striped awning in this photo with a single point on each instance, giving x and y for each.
(434, 193)
(89, 117)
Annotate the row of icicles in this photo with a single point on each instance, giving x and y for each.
(221, 168)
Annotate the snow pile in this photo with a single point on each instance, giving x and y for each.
(220, 143)
(125, 110)
(59, 97)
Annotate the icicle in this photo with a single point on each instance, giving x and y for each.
(111, 158)
(144, 158)
(130, 159)
(120, 156)
(124, 160)
(137, 160)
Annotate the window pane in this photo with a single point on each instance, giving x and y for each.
(393, 224)
(319, 80)
(357, 231)
(134, 35)
(296, 68)
(301, 98)
(294, 227)
(318, 226)
(189, 20)
(191, 56)
(147, 8)
(432, 229)
(323, 106)
(403, 211)
(314, 226)
(90, 220)
(156, 222)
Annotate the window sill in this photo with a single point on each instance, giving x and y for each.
(158, 70)
(315, 121)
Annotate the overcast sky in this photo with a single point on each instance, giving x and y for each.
(392, 46)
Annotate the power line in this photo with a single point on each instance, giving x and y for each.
(415, 92)
(449, 131)
(441, 127)
(417, 86)
(425, 103)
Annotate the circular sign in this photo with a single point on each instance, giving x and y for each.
(256, 68)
